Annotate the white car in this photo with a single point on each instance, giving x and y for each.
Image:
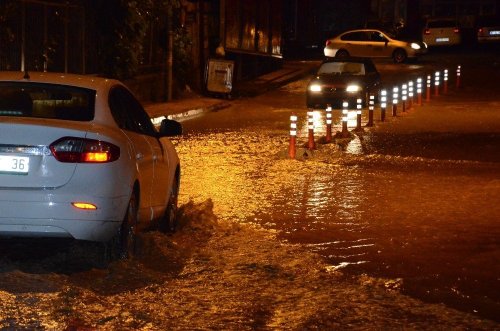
(80, 158)
(441, 32)
(373, 43)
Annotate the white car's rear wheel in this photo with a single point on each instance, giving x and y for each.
(168, 222)
(123, 245)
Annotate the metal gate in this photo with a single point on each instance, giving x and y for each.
(42, 36)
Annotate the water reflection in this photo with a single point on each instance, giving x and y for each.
(355, 146)
(433, 223)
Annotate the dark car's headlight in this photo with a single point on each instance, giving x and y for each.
(315, 88)
(353, 88)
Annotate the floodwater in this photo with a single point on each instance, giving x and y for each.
(420, 208)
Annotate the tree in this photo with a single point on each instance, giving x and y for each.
(7, 35)
(122, 25)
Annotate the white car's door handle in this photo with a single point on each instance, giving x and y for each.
(139, 156)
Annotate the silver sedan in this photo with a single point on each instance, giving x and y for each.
(373, 44)
(80, 158)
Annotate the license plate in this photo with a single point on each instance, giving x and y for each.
(495, 33)
(442, 40)
(14, 164)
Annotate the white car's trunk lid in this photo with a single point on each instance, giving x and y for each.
(25, 158)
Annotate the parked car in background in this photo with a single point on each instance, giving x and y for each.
(441, 32)
(339, 80)
(373, 43)
(488, 29)
(80, 158)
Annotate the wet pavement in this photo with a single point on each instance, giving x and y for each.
(210, 275)
(413, 199)
(396, 228)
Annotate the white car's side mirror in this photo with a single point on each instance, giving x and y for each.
(170, 128)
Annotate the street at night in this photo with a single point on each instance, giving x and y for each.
(413, 199)
(395, 228)
(176, 165)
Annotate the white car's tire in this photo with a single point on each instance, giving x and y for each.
(123, 244)
(168, 222)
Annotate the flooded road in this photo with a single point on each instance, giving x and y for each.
(325, 242)
(412, 199)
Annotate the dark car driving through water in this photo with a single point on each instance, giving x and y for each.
(339, 80)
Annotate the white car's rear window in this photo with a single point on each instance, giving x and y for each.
(46, 101)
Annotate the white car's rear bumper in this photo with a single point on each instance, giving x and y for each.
(38, 214)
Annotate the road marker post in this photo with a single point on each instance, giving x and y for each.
(404, 93)
(345, 115)
(428, 91)
(310, 123)
(419, 91)
(395, 96)
(383, 104)
(292, 149)
(328, 111)
(445, 81)
(436, 83)
(371, 107)
(359, 103)
(410, 94)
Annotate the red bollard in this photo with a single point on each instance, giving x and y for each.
(428, 91)
(371, 107)
(458, 77)
(445, 81)
(293, 136)
(410, 94)
(345, 115)
(310, 122)
(395, 96)
(328, 123)
(404, 92)
(436, 83)
(419, 91)
(383, 104)
(358, 114)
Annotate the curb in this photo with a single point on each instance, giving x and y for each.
(191, 112)
(184, 115)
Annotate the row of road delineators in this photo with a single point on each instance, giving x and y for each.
(409, 93)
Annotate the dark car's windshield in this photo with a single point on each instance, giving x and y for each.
(351, 68)
(46, 101)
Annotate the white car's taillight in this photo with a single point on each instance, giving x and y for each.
(81, 150)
